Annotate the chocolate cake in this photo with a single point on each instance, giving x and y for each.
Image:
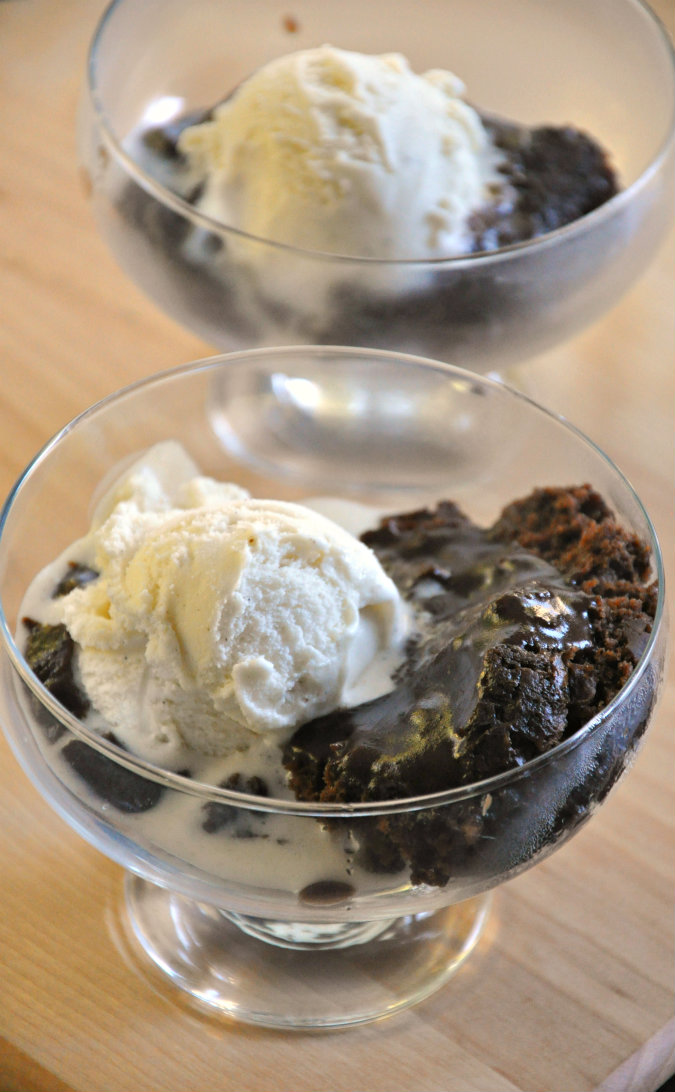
(527, 629)
(552, 177)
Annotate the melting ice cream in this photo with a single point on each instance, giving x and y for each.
(217, 615)
(338, 151)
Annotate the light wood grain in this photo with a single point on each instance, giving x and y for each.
(572, 988)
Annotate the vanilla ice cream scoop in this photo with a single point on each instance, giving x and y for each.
(332, 150)
(216, 615)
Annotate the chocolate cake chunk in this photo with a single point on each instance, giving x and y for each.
(219, 816)
(162, 140)
(49, 653)
(76, 576)
(525, 630)
(553, 176)
(485, 683)
(576, 531)
(124, 789)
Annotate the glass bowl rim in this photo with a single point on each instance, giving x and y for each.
(540, 243)
(189, 786)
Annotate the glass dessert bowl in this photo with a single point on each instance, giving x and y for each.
(486, 310)
(298, 908)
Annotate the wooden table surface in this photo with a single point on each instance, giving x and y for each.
(573, 987)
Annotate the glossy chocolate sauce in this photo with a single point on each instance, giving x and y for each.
(494, 626)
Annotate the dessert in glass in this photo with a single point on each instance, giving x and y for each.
(262, 173)
(307, 641)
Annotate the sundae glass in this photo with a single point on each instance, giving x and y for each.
(273, 909)
(605, 69)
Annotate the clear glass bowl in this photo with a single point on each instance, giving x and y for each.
(606, 67)
(274, 918)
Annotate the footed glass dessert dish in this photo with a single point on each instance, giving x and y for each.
(348, 875)
(508, 296)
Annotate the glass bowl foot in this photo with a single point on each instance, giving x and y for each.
(298, 974)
